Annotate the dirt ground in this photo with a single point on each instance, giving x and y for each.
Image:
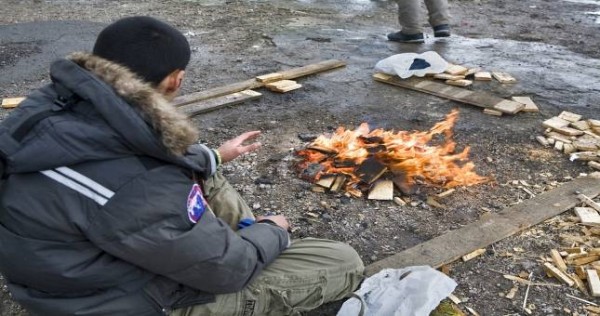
(552, 47)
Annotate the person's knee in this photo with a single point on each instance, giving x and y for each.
(348, 256)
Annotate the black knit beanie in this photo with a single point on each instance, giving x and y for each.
(150, 48)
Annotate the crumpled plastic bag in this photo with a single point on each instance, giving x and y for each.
(410, 64)
(412, 291)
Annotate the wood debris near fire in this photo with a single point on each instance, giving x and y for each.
(575, 136)
(358, 161)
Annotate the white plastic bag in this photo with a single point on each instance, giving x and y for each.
(411, 64)
(412, 291)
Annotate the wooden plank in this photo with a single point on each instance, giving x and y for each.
(503, 77)
(283, 85)
(491, 228)
(588, 201)
(593, 282)
(456, 70)
(326, 181)
(581, 125)
(9, 103)
(219, 102)
(569, 131)
(448, 77)
(382, 190)
(253, 83)
(569, 116)
(555, 122)
(477, 98)
(594, 165)
(530, 106)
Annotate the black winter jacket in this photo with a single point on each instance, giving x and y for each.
(99, 212)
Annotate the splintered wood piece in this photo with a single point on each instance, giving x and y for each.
(593, 282)
(453, 245)
(587, 215)
(569, 116)
(370, 170)
(595, 165)
(460, 82)
(492, 112)
(580, 271)
(448, 77)
(217, 103)
(483, 76)
(585, 155)
(558, 260)
(594, 123)
(446, 193)
(511, 294)
(555, 272)
(253, 83)
(589, 202)
(9, 103)
(558, 145)
(456, 69)
(382, 190)
(473, 254)
(326, 181)
(584, 145)
(477, 98)
(555, 122)
(317, 189)
(529, 105)
(503, 77)
(321, 149)
(581, 125)
(338, 183)
(270, 77)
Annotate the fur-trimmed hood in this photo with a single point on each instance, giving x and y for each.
(176, 131)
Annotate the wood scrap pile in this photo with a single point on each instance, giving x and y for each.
(577, 263)
(575, 136)
(461, 76)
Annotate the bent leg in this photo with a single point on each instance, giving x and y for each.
(225, 201)
(308, 274)
(409, 16)
(438, 12)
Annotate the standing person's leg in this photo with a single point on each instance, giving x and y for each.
(409, 17)
(308, 274)
(439, 17)
(225, 201)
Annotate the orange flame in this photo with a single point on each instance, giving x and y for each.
(403, 152)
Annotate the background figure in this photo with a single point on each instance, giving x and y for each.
(409, 16)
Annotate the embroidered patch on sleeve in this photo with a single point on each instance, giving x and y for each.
(196, 205)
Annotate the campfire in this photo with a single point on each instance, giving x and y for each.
(374, 161)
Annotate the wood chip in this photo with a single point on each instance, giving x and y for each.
(511, 294)
(473, 254)
(580, 272)
(558, 145)
(456, 69)
(584, 260)
(530, 106)
(283, 86)
(589, 202)
(580, 125)
(472, 311)
(445, 193)
(593, 282)
(587, 215)
(569, 116)
(555, 272)
(492, 112)
(382, 190)
(454, 299)
(433, 203)
(9, 103)
(399, 201)
(503, 77)
(579, 284)
(483, 76)
(542, 140)
(568, 149)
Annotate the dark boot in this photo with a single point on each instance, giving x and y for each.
(406, 38)
(442, 30)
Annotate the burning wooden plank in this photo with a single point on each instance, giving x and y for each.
(326, 181)
(338, 183)
(370, 170)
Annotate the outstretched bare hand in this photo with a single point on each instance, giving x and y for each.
(233, 148)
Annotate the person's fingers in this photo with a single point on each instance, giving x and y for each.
(249, 148)
(248, 136)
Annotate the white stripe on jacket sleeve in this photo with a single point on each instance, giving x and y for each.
(80, 187)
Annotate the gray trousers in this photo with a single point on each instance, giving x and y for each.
(410, 14)
(309, 273)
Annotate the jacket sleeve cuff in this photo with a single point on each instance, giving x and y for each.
(269, 240)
